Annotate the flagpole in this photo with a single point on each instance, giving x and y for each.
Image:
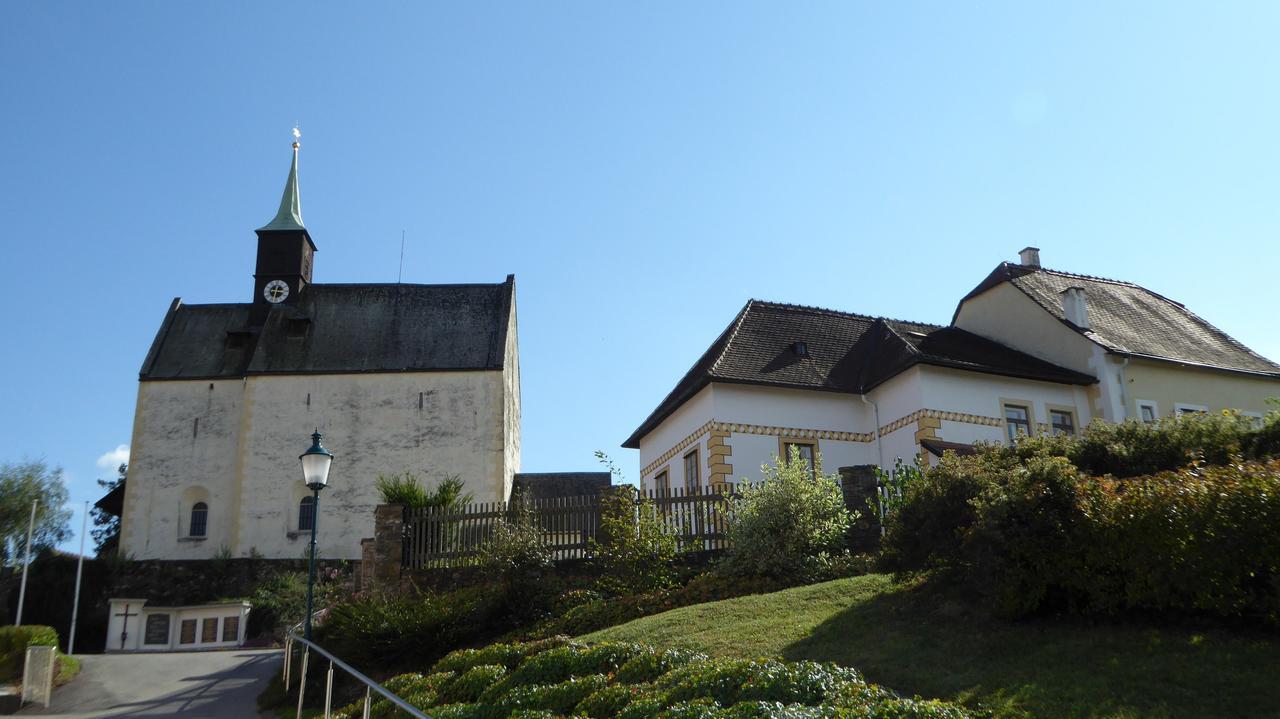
(75, 604)
(22, 592)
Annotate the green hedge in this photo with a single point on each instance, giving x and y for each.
(13, 646)
(558, 678)
(1027, 528)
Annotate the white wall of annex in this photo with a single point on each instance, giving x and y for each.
(794, 408)
(980, 394)
(691, 415)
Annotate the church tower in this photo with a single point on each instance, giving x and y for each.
(285, 252)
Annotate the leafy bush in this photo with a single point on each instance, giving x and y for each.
(636, 551)
(518, 556)
(382, 631)
(575, 680)
(1024, 526)
(278, 603)
(795, 513)
(1134, 448)
(405, 489)
(13, 646)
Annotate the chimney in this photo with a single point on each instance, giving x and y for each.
(1029, 256)
(1076, 307)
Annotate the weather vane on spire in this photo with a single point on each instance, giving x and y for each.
(296, 134)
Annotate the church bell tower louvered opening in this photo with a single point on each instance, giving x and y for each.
(285, 251)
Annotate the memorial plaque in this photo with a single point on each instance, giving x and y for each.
(209, 631)
(157, 631)
(188, 632)
(230, 629)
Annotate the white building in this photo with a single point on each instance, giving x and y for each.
(132, 626)
(1029, 350)
(397, 377)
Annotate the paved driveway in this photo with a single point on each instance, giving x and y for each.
(198, 685)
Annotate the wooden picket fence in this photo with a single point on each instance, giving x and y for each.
(435, 537)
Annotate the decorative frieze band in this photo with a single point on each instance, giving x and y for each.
(965, 417)
(729, 427)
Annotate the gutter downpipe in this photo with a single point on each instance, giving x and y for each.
(876, 430)
(1124, 390)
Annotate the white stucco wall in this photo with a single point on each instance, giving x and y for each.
(691, 416)
(244, 454)
(981, 394)
(1007, 315)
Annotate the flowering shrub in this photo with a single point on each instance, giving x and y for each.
(567, 680)
(797, 512)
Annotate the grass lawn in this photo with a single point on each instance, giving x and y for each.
(919, 639)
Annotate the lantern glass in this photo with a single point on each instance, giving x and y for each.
(315, 464)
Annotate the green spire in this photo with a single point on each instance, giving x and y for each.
(289, 216)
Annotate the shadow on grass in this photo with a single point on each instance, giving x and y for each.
(924, 638)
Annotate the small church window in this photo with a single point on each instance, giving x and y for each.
(199, 519)
(306, 514)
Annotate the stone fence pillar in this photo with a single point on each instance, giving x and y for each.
(384, 553)
(859, 485)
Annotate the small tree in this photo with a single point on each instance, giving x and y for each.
(20, 484)
(636, 551)
(795, 514)
(519, 557)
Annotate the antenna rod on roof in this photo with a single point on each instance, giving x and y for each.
(400, 274)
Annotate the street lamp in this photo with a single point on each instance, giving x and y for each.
(315, 474)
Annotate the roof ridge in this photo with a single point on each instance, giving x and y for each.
(408, 284)
(733, 332)
(1082, 276)
(838, 313)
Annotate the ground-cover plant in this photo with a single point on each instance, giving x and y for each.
(405, 489)
(796, 514)
(563, 679)
(635, 552)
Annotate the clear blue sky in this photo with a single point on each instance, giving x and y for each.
(642, 168)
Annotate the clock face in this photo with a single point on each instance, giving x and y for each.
(275, 291)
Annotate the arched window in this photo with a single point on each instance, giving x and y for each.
(306, 514)
(199, 519)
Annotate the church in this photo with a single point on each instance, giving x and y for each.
(397, 377)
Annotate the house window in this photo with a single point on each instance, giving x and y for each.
(662, 483)
(808, 452)
(1183, 409)
(307, 514)
(1148, 411)
(1062, 421)
(199, 520)
(230, 629)
(209, 630)
(1017, 421)
(691, 477)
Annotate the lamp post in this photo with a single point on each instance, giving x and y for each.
(315, 474)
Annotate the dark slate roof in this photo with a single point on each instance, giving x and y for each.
(845, 353)
(1130, 320)
(339, 328)
(545, 485)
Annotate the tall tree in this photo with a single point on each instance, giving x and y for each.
(20, 483)
(106, 526)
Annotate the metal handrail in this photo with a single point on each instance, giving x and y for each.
(370, 685)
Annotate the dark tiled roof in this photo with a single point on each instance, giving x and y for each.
(845, 353)
(339, 328)
(1131, 320)
(544, 485)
